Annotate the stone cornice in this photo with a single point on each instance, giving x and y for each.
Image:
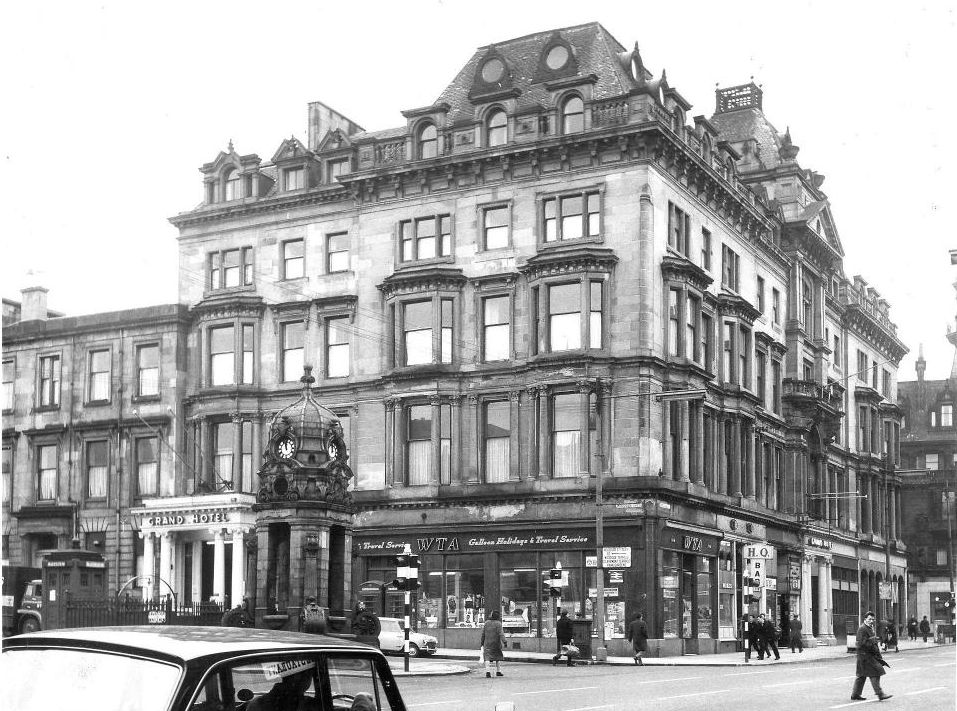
(734, 305)
(235, 305)
(435, 277)
(565, 259)
(219, 212)
(874, 332)
(681, 269)
(768, 342)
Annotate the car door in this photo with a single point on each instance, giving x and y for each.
(350, 675)
(391, 636)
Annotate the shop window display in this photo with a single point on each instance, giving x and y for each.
(669, 594)
(464, 604)
(524, 596)
(726, 625)
(705, 594)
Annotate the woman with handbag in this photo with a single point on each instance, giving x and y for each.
(493, 643)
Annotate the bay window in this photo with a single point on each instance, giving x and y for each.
(223, 452)
(566, 435)
(293, 349)
(249, 346)
(425, 238)
(222, 362)
(573, 315)
(420, 322)
(497, 432)
(337, 347)
(496, 328)
(564, 317)
(421, 446)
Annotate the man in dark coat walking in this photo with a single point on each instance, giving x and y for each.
(912, 629)
(870, 663)
(751, 637)
(564, 633)
(638, 636)
(924, 628)
(795, 631)
(768, 636)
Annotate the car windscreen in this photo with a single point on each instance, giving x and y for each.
(85, 680)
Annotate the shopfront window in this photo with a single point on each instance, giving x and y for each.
(669, 594)
(726, 622)
(428, 611)
(465, 591)
(523, 592)
(705, 599)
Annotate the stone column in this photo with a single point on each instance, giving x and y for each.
(196, 594)
(323, 571)
(237, 588)
(219, 566)
(472, 439)
(830, 601)
(647, 323)
(736, 458)
(751, 483)
(684, 421)
(807, 623)
(823, 619)
(699, 454)
(545, 431)
(166, 564)
(584, 411)
(515, 436)
(148, 560)
(390, 442)
(530, 415)
(667, 467)
(347, 569)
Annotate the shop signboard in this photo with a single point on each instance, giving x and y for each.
(591, 561)
(885, 591)
(616, 557)
(758, 550)
(611, 592)
(616, 577)
(478, 543)
(794, 573)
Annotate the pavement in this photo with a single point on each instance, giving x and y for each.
(443, 662)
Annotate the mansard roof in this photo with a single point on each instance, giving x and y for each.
(750, 123)
(594, 53)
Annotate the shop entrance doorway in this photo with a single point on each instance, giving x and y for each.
(815, 601)
(206, 590)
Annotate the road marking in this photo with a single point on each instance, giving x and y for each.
(854, 703)
(766, 671)
(555, 691)
(924, 691)
(909, 669)
(436, 703)
(589, 708)
(700, 693)
(791, 683)
(945, 664)
(680, 678)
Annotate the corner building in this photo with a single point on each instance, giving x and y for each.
(494, 293)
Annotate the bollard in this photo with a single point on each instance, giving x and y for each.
(505, 706)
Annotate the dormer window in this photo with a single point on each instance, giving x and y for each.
(573, 115)
(231, 185)
(496, 133)
(428, 144)
(294, 178)
(336, 168)
(557, 57)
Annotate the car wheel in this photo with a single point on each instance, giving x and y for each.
(30, 624)
(413, 650)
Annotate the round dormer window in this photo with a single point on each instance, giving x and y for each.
(557, 57)
(493, 70)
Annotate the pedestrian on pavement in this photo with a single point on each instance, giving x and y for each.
(925, 628)
(870, 663)
(749, 633)
(638, 636)
(912, 629)
(768, 636)
(493, 643)
(796, 640)
(564, 633)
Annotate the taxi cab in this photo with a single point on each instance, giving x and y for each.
(169, 668)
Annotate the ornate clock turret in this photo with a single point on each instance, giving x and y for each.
(304, 513)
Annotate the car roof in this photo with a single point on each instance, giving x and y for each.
(184, 643)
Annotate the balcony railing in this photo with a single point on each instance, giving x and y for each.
(609, 113)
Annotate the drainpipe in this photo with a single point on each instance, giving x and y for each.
(119, 462)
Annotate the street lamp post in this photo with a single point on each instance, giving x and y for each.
(599, 614)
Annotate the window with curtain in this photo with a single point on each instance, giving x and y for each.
(97, 460)
(445, 444)
(47, 474)
(99, 376)
(337, 347)
(231, 186)
(249, 346)
(222, 364)
(428, 141)
(147, 363)
(293, 350)
(419, 443)
(566, 435)
(495, 328)
(496, 129)
(417, 327)
(147, 466)
(294, 178)
(223, 450)
(573, 115)
(497, 431)
(564, 316)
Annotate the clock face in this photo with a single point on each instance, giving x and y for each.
(286, 447)
(333, 450)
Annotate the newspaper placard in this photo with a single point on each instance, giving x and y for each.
(616, 557)
(286, 667)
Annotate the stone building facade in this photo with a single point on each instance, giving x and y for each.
(495, 295)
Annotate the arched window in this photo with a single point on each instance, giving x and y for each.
(497, 132)
(231, 189)
(428, 141)
(573, 115)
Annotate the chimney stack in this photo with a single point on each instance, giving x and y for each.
(33, 306)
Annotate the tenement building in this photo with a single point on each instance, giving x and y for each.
(550, 293)
(929, 459)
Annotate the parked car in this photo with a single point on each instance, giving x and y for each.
(190, 669)
(392, 638)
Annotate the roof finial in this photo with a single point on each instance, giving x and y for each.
(230, 145)
(307, 380)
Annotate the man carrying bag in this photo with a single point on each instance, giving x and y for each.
(870, 663)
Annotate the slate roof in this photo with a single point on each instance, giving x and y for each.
(595, 50)
(744, 124)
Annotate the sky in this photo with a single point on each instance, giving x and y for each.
(111, 107)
